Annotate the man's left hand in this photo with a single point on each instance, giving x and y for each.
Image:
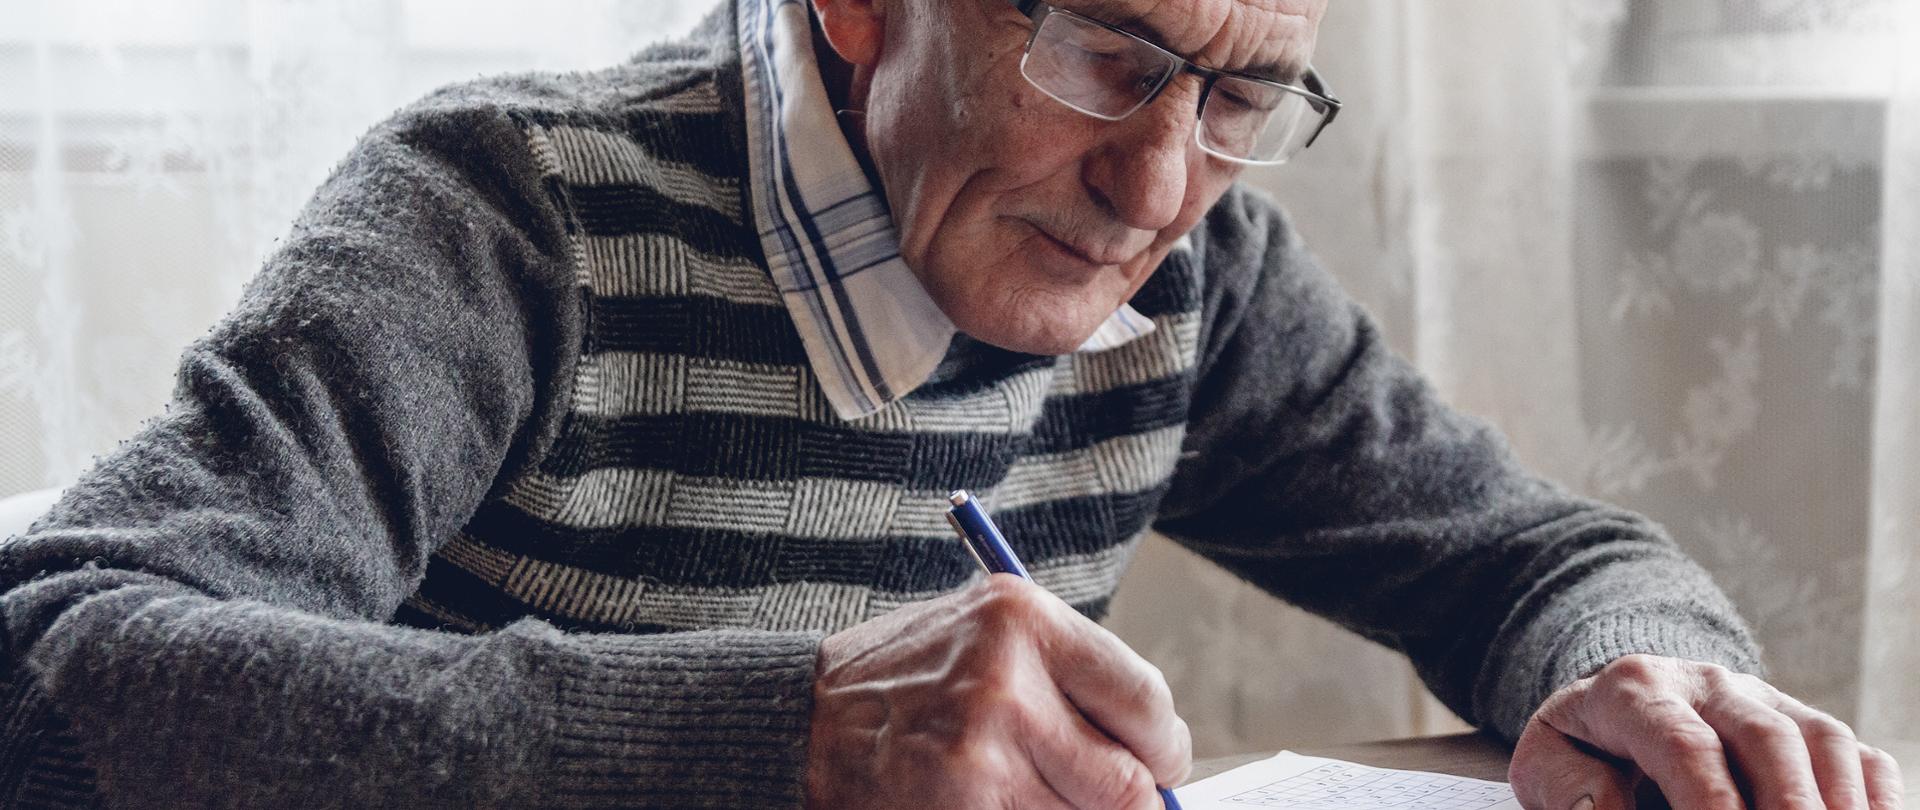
(1710, 738)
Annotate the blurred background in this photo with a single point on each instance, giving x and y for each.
(1670, 247)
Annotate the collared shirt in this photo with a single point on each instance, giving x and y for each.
(871, 331)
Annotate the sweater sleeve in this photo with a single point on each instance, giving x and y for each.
(1322, 468)
(202, 620)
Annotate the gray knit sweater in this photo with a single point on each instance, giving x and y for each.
(507, 485)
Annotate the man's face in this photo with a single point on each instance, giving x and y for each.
(1029, 222)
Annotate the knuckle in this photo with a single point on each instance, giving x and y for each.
(991, 703)
(1032, 604)
(1008, 608)
(1004, 587)
(1671, 711)
(1802, 798)
(1000, 596)
(1614, 692)
(1721, 679)
(1635, 681)
(1689, 741)
(1636, 669)
(1756, 684)
(1158, 678)
(990, 764)
(1764, 726)
(1126, 788)
(1723, 683)
(1147, 687)
(1827, 729)
(1880, 760)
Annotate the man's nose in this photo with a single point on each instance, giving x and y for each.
(1139, 173)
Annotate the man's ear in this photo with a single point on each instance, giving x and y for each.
(854, 28)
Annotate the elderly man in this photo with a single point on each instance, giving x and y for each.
(587, 443)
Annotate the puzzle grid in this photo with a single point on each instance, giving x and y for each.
(1339, 786)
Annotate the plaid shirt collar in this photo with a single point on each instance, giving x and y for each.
(871, 332)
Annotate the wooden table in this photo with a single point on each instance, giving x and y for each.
(1480, 757)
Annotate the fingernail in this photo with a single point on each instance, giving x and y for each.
(1585, 803)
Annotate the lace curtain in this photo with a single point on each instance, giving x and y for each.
(151, 153)
(1668, 246)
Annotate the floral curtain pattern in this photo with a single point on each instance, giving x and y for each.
(1748, 292)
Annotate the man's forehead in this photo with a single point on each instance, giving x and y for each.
(1228, 34)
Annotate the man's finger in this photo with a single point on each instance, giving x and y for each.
(1835, 752)
(1041, 795)
(1085, 767)
(1631, 718)
(1885, 791)
(1120, 694)
(1550, 772)
(1134, 706)
(1766, 747)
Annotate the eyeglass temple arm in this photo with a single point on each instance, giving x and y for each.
(1318, 86)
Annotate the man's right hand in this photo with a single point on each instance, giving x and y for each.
(998, 696)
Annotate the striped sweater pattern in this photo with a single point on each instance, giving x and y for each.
(702, 480)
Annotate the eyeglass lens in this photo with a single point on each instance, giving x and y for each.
(1257, 121)
(1109, 75)
(1093, 69)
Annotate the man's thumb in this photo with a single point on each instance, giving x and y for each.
(1550, 771)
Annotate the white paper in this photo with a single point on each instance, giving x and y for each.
(1312, 783)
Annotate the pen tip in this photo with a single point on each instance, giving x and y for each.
(959, 497)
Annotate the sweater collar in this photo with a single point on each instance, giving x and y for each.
(871, 331)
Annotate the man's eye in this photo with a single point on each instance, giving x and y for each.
(1097, 57)
(1228, 104)
(1237, 103)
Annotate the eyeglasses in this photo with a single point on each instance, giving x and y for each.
(1109, 74)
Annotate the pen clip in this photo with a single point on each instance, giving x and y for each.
(967, 540)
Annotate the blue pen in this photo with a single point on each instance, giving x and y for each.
(989, 548)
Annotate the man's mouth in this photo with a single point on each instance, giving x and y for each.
(1091, 257)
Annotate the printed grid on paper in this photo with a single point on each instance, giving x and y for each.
(1340, 786)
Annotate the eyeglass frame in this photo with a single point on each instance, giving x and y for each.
(1311, 84)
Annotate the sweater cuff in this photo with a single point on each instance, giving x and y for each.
(708, 719)
(1598, 641)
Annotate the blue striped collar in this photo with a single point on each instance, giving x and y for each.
(871, 331)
